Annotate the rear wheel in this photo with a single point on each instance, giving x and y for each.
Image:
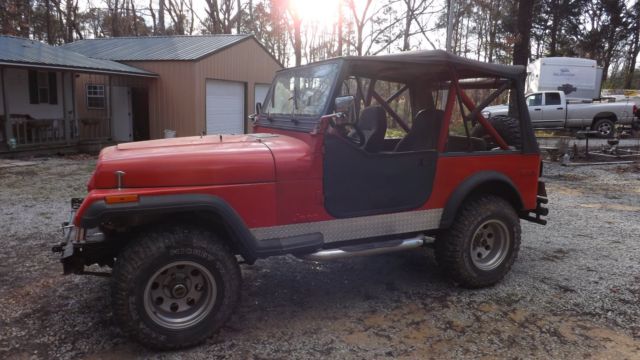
(479, 249)
(174, 288)
(604, 127)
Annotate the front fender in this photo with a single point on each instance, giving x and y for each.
(99, 211)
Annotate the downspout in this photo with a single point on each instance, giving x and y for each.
(109, 110)
(8, 133)
(65, 118)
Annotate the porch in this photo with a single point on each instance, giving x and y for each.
(51, 97)
(67, 108)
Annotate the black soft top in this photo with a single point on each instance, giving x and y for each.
(434, 65)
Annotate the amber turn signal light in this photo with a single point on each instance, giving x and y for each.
(119, 199)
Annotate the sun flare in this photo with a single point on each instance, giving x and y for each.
(323, 13)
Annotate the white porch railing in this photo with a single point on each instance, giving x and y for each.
(34, 132)
(29, 131)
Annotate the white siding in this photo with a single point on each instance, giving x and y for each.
(17, 85)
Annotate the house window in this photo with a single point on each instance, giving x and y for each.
(95, 96)
(43, 88)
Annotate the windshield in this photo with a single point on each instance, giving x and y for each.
(303, 91)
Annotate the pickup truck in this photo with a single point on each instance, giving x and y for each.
(551, 109)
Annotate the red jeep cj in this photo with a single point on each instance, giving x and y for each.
(349, 156)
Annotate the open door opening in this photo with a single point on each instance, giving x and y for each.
(140, 110)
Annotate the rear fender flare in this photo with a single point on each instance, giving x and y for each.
(486, 182)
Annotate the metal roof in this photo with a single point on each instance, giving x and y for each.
(24, 52)
(154, 47)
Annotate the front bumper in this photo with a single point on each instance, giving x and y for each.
(71, 244)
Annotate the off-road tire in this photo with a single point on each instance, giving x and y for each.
(453, 246)
(507, 127)
(604, 123)
(149, 253)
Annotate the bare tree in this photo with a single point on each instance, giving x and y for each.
(361, 20)
(521, 47)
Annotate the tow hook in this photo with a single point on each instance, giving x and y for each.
(58, 248)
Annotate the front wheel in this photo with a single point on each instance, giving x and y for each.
(174, 288)
(479, 249)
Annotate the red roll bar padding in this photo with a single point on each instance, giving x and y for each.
(448, 110)
(466, 100)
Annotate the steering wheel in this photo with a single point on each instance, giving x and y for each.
(349, 131)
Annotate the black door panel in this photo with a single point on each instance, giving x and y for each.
(357, 183)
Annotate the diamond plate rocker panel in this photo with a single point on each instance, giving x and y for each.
(357, 228)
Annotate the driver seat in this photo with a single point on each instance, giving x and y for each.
(373, 124)
(424, 132)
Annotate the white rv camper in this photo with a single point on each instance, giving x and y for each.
(578, 78)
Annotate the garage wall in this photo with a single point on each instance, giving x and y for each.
(245, 62)
(171, 97)
(177, 96)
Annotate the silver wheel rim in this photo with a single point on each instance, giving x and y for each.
(180, 295)
(490, 245)
(604, 128)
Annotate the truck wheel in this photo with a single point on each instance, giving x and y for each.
(480, 247)
(507, 127)
(174, 288)
(604, 127)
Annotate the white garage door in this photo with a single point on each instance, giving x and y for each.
(225, 107)
(261, 93)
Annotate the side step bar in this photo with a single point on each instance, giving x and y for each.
(365, 249)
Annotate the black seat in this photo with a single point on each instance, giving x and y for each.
(373, 123)
(424, 131)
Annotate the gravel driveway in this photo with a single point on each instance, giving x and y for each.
(574, 292)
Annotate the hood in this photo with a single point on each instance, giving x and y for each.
(186, 161)
(496, 110)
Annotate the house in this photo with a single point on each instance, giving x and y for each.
(204, 84)
(127, 89)
(37, 106)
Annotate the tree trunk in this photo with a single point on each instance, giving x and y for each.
(47, 19)
(239, 17)
(340, 18)
(407, 25)
(161, 9)
(297, 40)
(635, 50)
(522, 46)
(553, 31)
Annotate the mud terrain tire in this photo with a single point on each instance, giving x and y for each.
(174, 287)
(480, 247)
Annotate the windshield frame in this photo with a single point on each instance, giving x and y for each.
(300, 122)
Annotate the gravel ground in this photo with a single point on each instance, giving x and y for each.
(574, 292)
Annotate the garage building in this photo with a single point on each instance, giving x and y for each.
(207, 83)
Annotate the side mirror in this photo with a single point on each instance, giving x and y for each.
(258, 108)
(344, 104)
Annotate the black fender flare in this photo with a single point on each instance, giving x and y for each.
(495, 183)
(243, 239)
